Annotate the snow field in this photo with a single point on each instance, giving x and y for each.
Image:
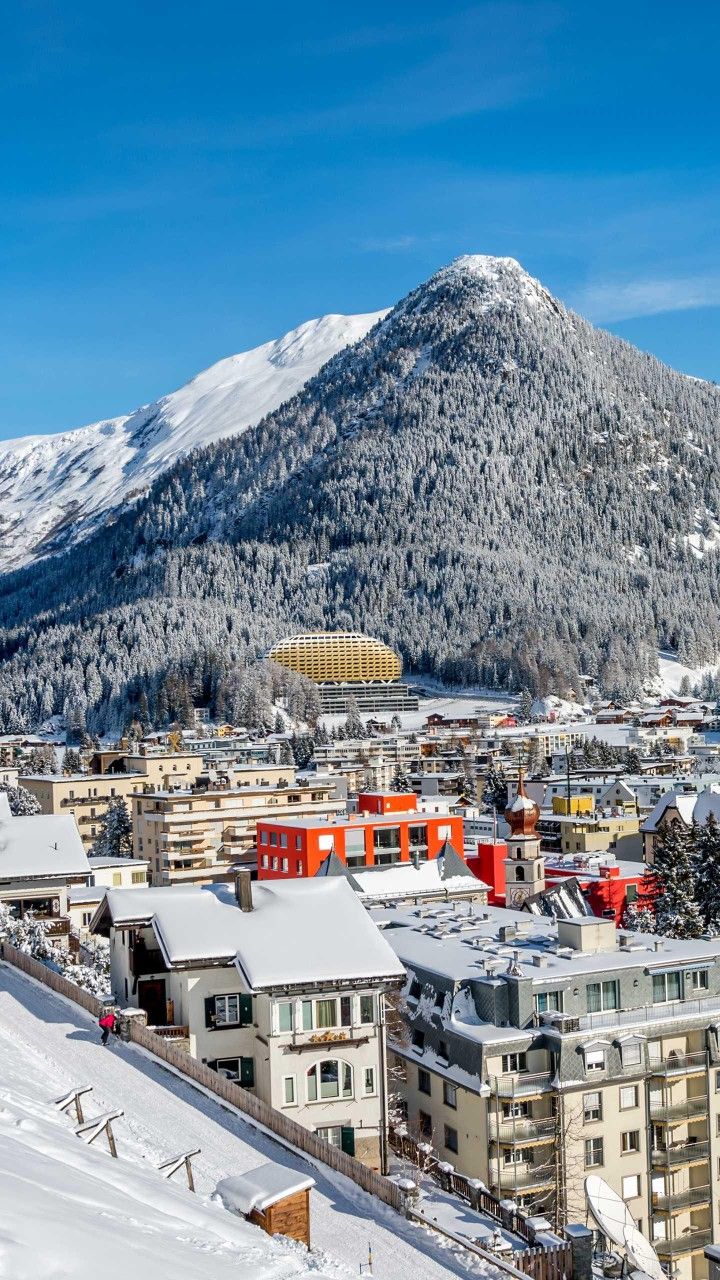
(47, 1045)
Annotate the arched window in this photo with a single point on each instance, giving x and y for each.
(329, 1079)
(519, 873)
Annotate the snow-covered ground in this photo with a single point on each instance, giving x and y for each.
(48, 1045)
(672, 672)
(56, 488)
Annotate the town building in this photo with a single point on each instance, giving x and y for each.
(41, 860)
(685, 807)
(83, 796)
(531, 1052)
(279, 986)
(105, 873)
(196, 836)
(347, 666)
(387, 830)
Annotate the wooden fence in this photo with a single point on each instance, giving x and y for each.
(477, 1196)
(547, 1262)
(283, 1127)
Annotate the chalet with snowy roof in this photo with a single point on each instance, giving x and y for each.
(41, 860)
(280, 986)
(684, 807)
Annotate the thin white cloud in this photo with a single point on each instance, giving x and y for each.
(626, 301)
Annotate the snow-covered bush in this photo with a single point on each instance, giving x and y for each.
(30, 935)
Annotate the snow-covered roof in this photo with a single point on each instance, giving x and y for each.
(689, 805)
(299, 932)
(96, 862)
(44, 845)
(86, 893)
(261, 1187)
(405, 880)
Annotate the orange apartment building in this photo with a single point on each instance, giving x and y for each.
(387, 829)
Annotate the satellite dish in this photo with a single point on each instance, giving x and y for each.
(609, 1210)
(641, 1253)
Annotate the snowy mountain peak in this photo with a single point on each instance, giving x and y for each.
(55, 489)
(496, 279)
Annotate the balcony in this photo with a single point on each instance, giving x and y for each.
(521, 1086)
(525, 1129)
(680, 1153)
(676, 1112)
(674, 1010)
(688, 1242)
(673, 1201)
(680, 1064)
(520, 1176)
(145, 960)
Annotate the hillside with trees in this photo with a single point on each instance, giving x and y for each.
(504, 493)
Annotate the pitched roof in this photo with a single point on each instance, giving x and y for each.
(299, 931)
(44, 845)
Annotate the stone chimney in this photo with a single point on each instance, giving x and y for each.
(243, 890)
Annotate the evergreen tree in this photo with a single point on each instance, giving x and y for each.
(673, 883)
(354, 727)
(22, 803)
(639, 917)
(633, 762)
(707, 866)
(400, 781)
(396, 724)
(279, 726)
(114, 839)
(286, 753)
(72, 761)
(495, 790)
(526, 706)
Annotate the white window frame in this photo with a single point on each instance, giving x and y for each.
(629, 1106)
(225, 1001)
(369, 1082)
(293, 1101)
(594, 1060)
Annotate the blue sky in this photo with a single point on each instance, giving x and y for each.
(181, 181)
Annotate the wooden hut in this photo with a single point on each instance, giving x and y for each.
(273, 1197)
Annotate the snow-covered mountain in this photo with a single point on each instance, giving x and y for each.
(55, 489)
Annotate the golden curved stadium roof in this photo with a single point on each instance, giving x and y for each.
(334, 656)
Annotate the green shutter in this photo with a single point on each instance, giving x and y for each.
(247, 1072)
(210, 1013)
(246, 1011)
(347, 1140)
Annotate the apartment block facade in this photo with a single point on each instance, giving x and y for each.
(531, 1053)
(288, 847)
(196, 836)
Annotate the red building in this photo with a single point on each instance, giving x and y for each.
(608, 887)
(381, 834)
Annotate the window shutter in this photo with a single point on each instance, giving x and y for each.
(246, 1011)
(247, 1072)
(347, 1140)
(210, 1013)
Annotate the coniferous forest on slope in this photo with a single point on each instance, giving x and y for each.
(486, 482)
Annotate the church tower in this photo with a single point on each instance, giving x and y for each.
(524, 865)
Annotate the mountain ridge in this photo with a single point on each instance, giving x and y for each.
(56, 489)
(483, 480)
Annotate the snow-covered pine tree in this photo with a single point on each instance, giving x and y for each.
(707, 867)
(673, 883)
(639, 917)
(72, 761)
(22, 803)
(633, 762)
(495, 790)
(400, 781)
(114, 840)
(354, 727)
(526, 706)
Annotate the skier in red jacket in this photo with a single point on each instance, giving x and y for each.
(107, 1022)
